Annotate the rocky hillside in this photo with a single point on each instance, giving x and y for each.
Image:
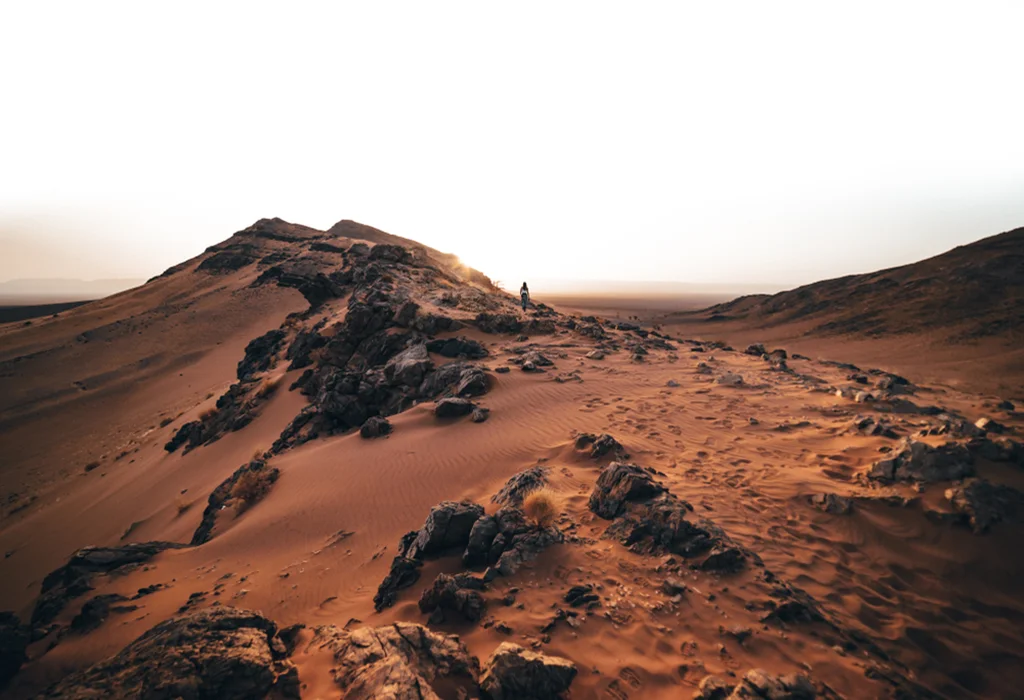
(971, 292)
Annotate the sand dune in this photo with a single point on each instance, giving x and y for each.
(884, 588)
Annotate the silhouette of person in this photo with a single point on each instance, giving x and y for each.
(524, 294)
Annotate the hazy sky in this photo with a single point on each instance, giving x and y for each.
(750, 142)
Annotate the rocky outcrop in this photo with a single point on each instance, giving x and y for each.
(301, 350)
(458, 347)
(74, 579)
(375, 427)
(14, 639)
(453, 408)
(400, 661)
(757, 685)
(982, 504)
(516, 488)
(220, 652)
(447, 527)
(404, 572)
(457, 594)
(650, 520)
(505, 324)
(260, 354)
(514, 542)
(409, 366)
(234, 410)
(513, 673)
(918, 461)
(96, 610)
(832, 503)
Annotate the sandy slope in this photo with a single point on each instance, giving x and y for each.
(944, 603)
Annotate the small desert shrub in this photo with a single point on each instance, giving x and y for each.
(539, 508)
(268, 386)
(208, 414)
(251, 488)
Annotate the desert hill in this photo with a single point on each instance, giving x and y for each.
(340, 464)
(956, 317)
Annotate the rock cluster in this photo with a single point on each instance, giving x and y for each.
(220, 652)
(981, 503)
(516, 488)
(918, 461)
(757, 685)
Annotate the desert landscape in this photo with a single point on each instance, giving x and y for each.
(341, 464)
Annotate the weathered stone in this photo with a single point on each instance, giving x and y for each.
(404, 572)
(600, 445)
(409, 367)
(619, 484)
(95, 611)
(259, 354)
(757, 349)
(832, 503)
(374, 427)
(506, 324)
(453, 407)
(447, 595)
(457, 347)
(219, 652)
(447, 526)
(918, 461)
(480, 414)
(481, 539)
(516, 488)
(399, 662)
(982, 503)
(513, 673)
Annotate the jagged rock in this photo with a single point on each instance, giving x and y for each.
(516, 488)
(219, 652)
(534, 358)
(832, 503)
(14, 639)
(234, 410)
(480, 414)
(390, 253)
(399, 662)
(757, 685)
(405, 315)
(404, 572)
(220, 496)
(453, 407)
(375, 427)
(513, 673)
(95, 611)
(600, 445)
(1006, 406)
(521, 546)
(301, 349)
(998, 450)
(409, 367)
(457, 347)
(757, 349)
(447, 526)
(703, 368)
(580, 596)
(431, 324)
(918, 461)
(481, 539)
(447, 595)
(987, 425)
(229, 260)
(714, 688)
(619, 484)
(452, 378)
(259, 354)
(75, 578)
(505, 324)
(869, 425)
(596, 355)
(982, 503)
(794, 611)
(725, 559)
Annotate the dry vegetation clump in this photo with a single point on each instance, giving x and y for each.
(268, 386)
(251, 488)
(539, 508)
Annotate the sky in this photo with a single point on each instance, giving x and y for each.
(742, 143)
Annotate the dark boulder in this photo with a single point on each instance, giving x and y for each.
(832, 503)
(513, 673)
(757, 349)
(447, 526)
(981, 503)
(453, 379)
(390, 253)
(404, 572)
(375, 427)
(918, 461)
(409, 366)
(453, 408)
(757, 685)
(506, 324)
(219, 652)
(600, 445)
(457, 347)
(95, 611)
(481, 540)
(447, 595)
(301, 350)
(619, 484)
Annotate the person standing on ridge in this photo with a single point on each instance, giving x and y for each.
(524, 294)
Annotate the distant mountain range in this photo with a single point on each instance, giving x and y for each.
(64, 289)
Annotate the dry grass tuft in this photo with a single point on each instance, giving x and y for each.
(251, 488)
(539, 508)
(268, 386)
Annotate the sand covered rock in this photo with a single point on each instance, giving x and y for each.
(456, 378)
(982, 503)
(74, 579)
(409, 366)
(513, 673)
(757, 685)
(918, 461)
(504, 324)
(447, 527)
(458, 594)
(600, 445)
(257, 470)
(453, 407)
(400, 662)
(832, 503)
(260, 354)
(619, 484)
(375, 427)
(516, 488)
(404, 572)
(215, 653)
(14, 638)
